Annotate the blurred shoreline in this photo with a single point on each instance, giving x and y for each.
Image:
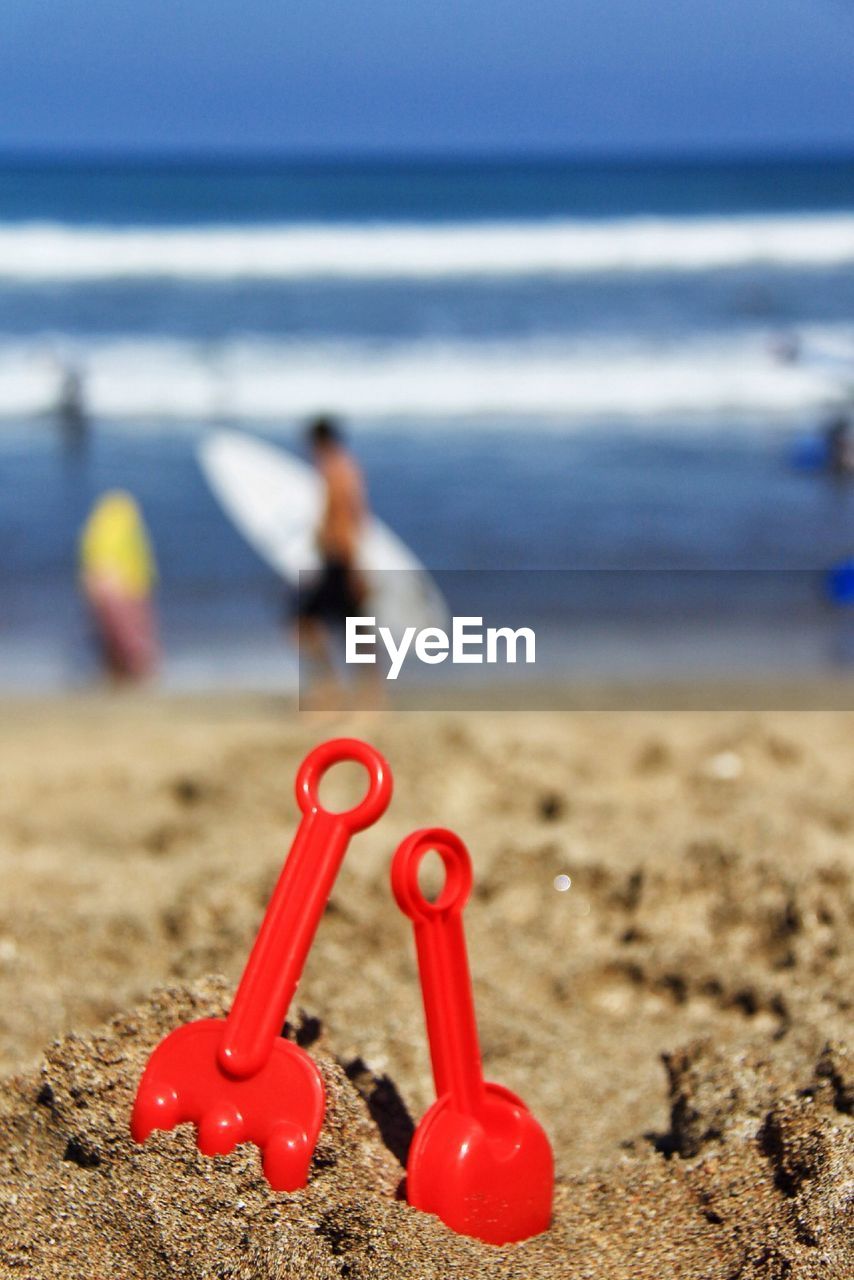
(725, 694)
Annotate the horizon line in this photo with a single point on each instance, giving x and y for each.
(204, 156)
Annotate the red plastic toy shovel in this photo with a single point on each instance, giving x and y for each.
(237, 1079)
(479, 1159)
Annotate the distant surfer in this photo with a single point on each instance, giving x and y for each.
(71, 408)
(339, 590)
(118, 574)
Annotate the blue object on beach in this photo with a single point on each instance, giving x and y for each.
(840, 583)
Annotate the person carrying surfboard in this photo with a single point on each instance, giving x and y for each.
(339, 591)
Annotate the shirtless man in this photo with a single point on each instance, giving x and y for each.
(339, 591)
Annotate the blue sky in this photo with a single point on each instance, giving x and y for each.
(427, 75)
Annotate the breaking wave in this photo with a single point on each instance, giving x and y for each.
(53, 252)
(254, 378)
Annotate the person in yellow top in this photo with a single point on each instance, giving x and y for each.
(118, 574)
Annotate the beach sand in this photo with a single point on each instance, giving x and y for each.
(676, 1019)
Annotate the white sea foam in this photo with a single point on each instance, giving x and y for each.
(276, 381)
(33, 252)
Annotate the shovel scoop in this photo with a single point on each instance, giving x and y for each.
(236, 1078)
(478, 1160)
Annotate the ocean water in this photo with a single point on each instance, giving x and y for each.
(542, 366)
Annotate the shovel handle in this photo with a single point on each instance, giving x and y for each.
(443, 963)
(278, 956)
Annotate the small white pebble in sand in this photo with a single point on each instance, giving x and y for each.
(562, 883)
(241, 1204)
(726, 766)
(8, 950)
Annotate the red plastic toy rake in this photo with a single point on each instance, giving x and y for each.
(237, 1079)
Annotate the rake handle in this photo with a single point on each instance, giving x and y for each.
(299, 899)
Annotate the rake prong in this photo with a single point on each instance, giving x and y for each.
(155, 1108)
(287, 1155)
(220, 1130)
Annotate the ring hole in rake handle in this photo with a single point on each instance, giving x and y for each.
(339, 751)
(432, 875)
(406, 867)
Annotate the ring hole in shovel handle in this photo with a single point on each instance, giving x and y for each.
(407, 861)
(338, 751)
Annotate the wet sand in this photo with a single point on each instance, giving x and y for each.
(676, 1019)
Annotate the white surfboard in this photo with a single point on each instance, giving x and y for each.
(276, 502)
